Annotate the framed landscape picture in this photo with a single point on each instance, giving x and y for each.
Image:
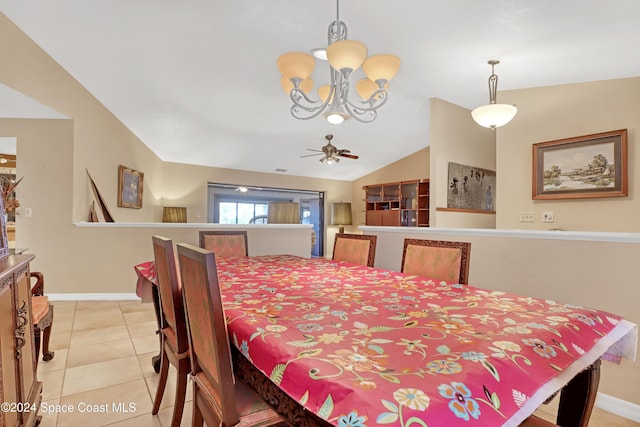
(129, 188)
(581, 167)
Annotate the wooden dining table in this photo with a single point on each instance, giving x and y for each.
(334, 343)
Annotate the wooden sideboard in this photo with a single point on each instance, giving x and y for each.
(18, 384)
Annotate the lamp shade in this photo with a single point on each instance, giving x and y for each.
(346, 55)
(283, 213)
(174, 214)
(341, 213)
(381, 67)
(296, 65)
(494, 115)
(305, 86)
(366, 88)
(323, 92)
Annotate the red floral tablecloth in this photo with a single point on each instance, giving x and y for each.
(363, 347)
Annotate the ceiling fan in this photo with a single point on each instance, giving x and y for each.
(331, 153)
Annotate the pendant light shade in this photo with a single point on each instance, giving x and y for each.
(346, 55)
(494, 115)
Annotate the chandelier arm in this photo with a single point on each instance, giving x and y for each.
(375, 101)
(359, 115)
(306, 112)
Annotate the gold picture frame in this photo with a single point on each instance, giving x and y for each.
(130, 187)
(581, 167)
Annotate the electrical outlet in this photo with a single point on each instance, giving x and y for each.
(28, 212)
(547, 216)
(526, 216)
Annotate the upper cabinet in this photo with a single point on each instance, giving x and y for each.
(404, 203)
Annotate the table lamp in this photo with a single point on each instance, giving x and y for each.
(174, 214)
(341, 215)
(283, 213)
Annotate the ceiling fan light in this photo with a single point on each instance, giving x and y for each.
(3, 160)
(346, 55)
(306, 86)
(296, 65)
(381, 67)
(494, 115)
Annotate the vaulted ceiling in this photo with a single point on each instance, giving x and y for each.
(197, 82)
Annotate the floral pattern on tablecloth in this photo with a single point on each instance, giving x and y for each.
(361, 346)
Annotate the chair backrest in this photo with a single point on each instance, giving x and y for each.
(355, 248)
(207, 329)
(172, 313)
(225, 243)
(437, 259)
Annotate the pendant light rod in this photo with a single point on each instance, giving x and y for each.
(493, 81)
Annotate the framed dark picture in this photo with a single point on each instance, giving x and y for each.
(581, 167)
(129, 188)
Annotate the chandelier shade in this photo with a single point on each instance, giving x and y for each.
(344, 57)
(381, 67)
(366, 88)
(287, 85)
(494, 115)
(296, 65)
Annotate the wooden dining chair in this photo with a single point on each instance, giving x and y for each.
(175, 344)
(225, 243)
(41, 317)
(218, 400)
(437, 259)
(355, 248)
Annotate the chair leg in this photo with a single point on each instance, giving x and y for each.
(36, 339)
(196, 417)
(181, 391)
(46, 335)
(162, 381)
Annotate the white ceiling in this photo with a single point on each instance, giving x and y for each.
(197, 82)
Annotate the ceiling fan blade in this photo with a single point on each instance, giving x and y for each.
(310, 155)
(311, 149)
(343, 150)
(348, 156)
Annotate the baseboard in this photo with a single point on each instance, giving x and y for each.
(93, 297)
(619, 407)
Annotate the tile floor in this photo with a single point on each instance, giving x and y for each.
(103, 353)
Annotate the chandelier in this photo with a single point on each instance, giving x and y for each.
(493, 115)
(344, 57)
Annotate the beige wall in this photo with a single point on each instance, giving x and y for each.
(557, 112)
(414, 166)
(573, 271)
(455, 137)
(53, 157)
